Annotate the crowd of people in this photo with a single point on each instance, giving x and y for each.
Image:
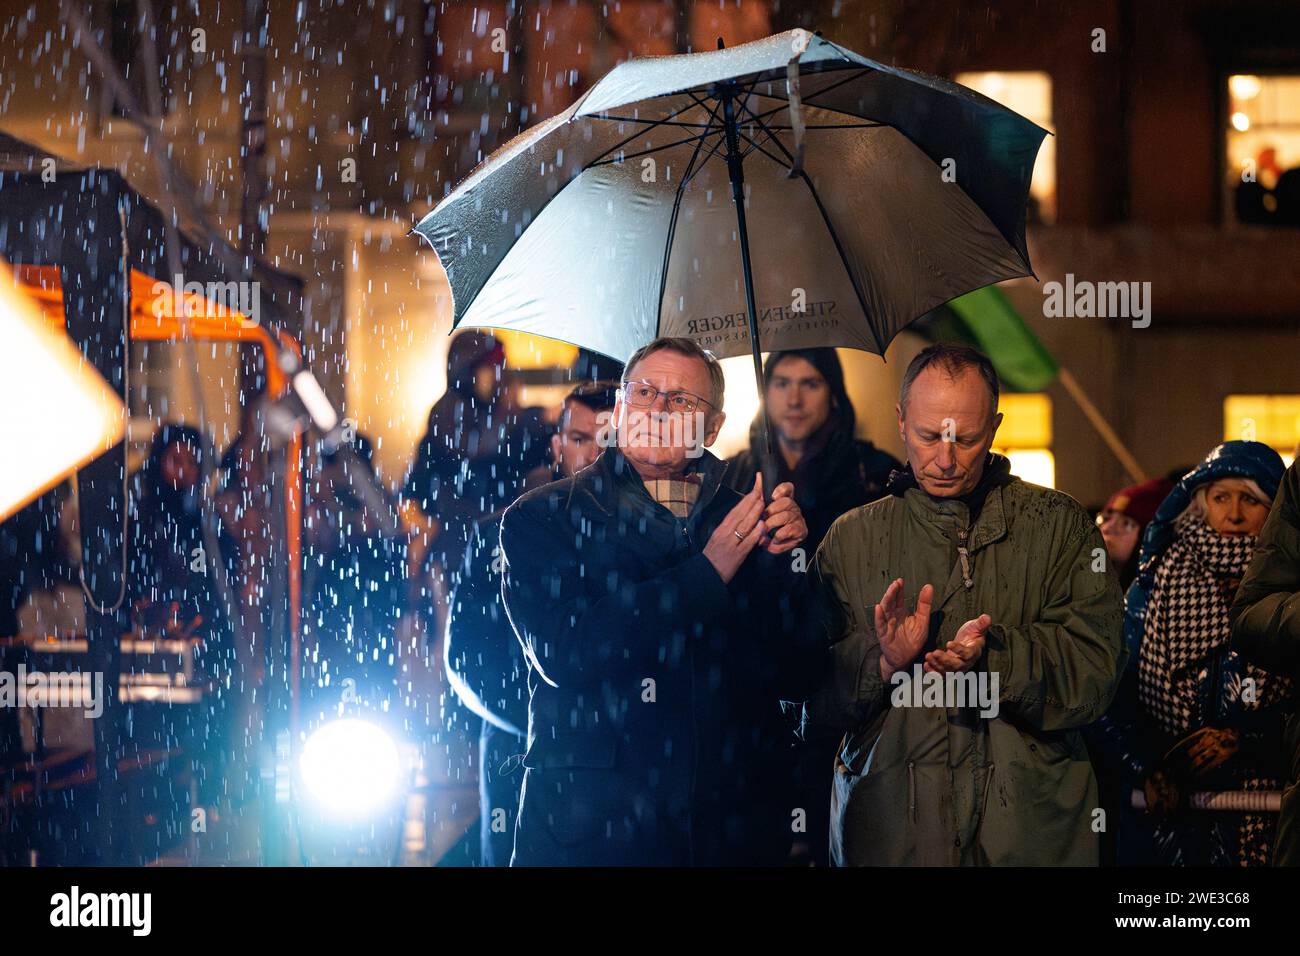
(811, 655)
(639, 633)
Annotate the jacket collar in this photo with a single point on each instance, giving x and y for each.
(990, 525)
(615, 482)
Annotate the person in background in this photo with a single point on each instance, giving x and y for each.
(1124, 518)
(39, 557)
(168, 563)
(475, 452)
(1122, 522)
(833, 471)
(1192, 715)
(354, 579)
(814, 430)
(171, 583)
(485, 663)
(1266, 633)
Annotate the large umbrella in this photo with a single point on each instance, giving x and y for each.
(871, 195)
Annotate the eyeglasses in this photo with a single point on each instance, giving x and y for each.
(1124, 523)
(643, 395)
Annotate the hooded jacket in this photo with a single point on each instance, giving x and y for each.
(167, 561)
(655, 734)
(1127, 741)
(1266, 632)
(474, 454)
(942, 784)
(841, 473)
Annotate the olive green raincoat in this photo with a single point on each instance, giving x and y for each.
(1266, 632)
(943, 785)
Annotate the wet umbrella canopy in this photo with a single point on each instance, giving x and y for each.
(872, 195)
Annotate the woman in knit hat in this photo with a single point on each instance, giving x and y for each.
(1125, 517)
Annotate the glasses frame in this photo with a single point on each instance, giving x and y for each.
(1125, 522)
(622, 391)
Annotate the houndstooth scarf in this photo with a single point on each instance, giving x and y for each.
(1187, 620)
(1186, 626)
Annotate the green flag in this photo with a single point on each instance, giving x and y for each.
(984, 318)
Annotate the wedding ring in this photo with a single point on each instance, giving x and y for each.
(739, 536)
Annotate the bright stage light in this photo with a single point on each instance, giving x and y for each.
(58, 412)
(350, 765)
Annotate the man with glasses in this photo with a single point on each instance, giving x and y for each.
(1123, 520)
(655, 607)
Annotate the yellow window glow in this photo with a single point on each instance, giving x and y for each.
(1029, 93)
(1271, 419)
(1025, 436)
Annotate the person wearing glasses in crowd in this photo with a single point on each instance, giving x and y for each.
(1125, 517)
(657, 609)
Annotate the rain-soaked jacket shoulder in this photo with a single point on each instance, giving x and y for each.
(1266, 632)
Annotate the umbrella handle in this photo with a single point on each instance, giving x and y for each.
(770, 471)
(735, 170)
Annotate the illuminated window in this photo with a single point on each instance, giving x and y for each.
(1030, 95)
(1025, 437)
(537, 365)
(1271, 419)
(1263, 146)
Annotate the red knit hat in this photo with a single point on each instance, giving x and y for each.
(1140, 502)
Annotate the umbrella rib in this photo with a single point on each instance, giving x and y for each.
(621, 144)
(839, 248)
(634, 119)
(756, 145)
(833, 126)
(677, 205)
(811, 97)
(624, 157)
(713, 151)
(844, 261)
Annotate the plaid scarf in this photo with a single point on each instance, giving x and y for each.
(678, 495)
(1187, 627)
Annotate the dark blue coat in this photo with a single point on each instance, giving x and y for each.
(486, 668)
(655, 730)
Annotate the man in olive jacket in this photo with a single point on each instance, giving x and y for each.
(961, 719)
(1266, 632)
